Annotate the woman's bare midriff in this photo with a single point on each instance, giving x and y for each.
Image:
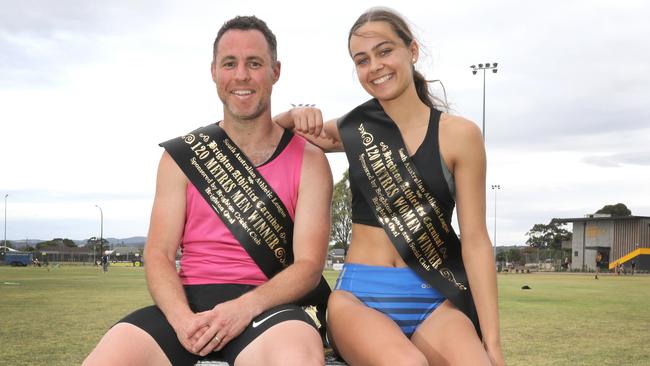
(370, 245)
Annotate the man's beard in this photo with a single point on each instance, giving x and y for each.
(259, 110)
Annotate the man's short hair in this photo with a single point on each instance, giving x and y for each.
(248, 23)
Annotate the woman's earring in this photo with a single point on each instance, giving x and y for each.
(413, 60)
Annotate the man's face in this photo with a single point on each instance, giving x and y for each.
(244, 73)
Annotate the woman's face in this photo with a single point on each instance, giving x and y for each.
(382, 60)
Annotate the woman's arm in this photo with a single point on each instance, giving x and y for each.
(462, 143)
(308, 123)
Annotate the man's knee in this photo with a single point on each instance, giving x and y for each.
(298, 356)
(288, 343)
(126, 344)
(285, 351)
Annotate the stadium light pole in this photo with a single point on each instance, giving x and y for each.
(495, 188)
(6, 195)
(101, 232)
(475, 69)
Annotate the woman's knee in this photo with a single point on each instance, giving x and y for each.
(410, 357)
(448, 337)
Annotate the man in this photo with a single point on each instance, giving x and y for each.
(105, 262)
(219, 300)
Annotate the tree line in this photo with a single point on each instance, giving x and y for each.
(93, 242)
(541, 236)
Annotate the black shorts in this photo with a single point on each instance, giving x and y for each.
(206, 297)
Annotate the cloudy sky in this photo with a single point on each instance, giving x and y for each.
(88, 90)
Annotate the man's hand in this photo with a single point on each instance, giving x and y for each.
(224, 322)
(189, 330)
(308, 121)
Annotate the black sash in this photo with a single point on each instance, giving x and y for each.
(244, 201)
(408, 212)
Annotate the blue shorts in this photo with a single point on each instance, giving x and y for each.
(397, 292)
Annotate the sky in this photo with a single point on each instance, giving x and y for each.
(88, 90)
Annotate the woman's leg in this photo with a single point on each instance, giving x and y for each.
(448, 337)
(364, 336)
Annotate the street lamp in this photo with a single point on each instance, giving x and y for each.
(475, 69)
(101, 233)
(495, 188)
(6, 195)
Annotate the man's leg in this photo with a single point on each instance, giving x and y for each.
(126, 344)
(283, 335)
(288, 343)
(143, 337)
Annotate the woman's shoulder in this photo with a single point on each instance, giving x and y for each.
(457, 127)
(461, 141)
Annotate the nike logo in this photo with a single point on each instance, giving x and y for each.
(257, 324)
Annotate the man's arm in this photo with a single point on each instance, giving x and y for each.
(310, 238)
(165, 232)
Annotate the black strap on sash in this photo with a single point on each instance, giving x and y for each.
(244, 201)
(408, 212)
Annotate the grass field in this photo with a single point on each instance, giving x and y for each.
(55, 317)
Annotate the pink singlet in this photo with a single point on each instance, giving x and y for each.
(211, 254)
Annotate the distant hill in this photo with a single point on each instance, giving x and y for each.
(23, 243)
(134, 241)
(505, 248)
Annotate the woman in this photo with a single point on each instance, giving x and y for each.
(400, 300)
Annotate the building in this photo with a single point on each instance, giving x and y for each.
(125, 254)
(336, 255)
(62, 253)
(621, 240)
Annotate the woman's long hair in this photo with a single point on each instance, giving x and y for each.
(399, 26)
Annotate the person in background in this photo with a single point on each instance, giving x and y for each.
(105, 262)
(599, 259)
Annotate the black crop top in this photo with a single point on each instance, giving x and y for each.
(429, 163)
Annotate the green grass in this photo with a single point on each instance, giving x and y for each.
(573, 319)
(56, 317)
